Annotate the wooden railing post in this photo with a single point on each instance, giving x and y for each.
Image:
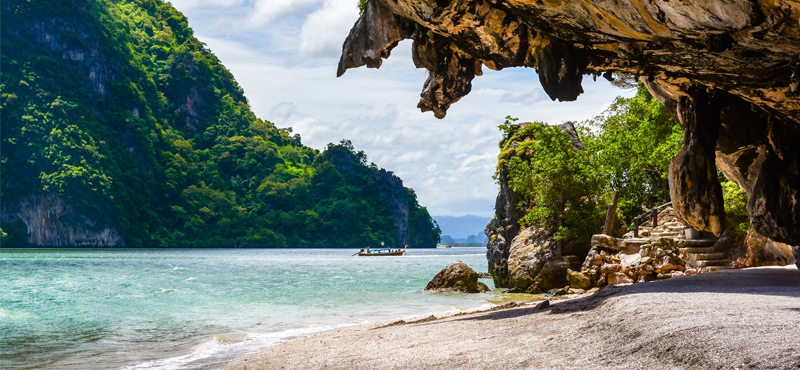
(655, 218)
(611, 214)
(636, 227)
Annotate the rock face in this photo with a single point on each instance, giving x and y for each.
(761, 251)
(533, 263)
(728, 70)
(529, 252)
(52, 223)
(501, 230)
(457, 277)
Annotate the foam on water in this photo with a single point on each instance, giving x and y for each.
(221, 349)
(183, 309)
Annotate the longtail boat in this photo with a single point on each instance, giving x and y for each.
(382, 252)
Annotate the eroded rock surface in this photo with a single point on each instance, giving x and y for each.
(728, 70)
(534, 265)
(50, 222)
(501, 230)
(529, 252)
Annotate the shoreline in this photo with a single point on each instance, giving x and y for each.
(717, 320)
(227, 352)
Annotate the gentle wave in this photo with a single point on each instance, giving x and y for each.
(224, 348)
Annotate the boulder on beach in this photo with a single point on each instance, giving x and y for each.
(534, 265)
(530, 250)
(554, 274)
(579, 280)
(457, 277)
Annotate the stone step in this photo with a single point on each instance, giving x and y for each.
(697, 250)
(699, 243)
(709, 263)
(673, 224)
(638, 241)
(710, 256)
(712, 268)
(665, 235)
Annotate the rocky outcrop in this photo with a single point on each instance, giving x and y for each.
(50, 222)
(728, 70)
(457, 277)
(623, 261)
(504, 227)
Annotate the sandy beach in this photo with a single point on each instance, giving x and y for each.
(733, 319)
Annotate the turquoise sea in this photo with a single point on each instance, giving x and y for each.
(201, 308)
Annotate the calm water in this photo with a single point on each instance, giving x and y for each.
(185, 309)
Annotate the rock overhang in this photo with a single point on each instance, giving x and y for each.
(729, 71)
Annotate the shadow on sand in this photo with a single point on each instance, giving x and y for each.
(775, 281)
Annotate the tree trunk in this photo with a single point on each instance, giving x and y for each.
(611, 214)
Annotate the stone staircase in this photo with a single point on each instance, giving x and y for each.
(700, 255)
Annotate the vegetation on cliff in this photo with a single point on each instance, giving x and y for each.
(628, 148)
(116, 107)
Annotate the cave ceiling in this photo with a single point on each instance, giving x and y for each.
(727, 70)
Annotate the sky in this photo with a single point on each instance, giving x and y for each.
(284, 54)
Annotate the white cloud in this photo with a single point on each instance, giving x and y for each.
(266, 11)
(325, 29)
(288, 72)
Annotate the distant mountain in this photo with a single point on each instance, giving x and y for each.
(477, 238)
(462, 227)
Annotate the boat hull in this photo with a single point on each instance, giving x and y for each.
(397, 253)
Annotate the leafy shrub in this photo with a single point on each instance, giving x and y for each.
(736, 214)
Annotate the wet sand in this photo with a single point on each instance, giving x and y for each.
(732, 319)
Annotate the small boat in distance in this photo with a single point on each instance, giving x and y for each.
(382, 252)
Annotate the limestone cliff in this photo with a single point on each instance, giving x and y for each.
(50, 222)
(729, 71)
(390, 187)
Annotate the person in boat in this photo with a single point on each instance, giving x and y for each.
(368, 250)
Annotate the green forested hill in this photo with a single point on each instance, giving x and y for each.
(121, 128)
